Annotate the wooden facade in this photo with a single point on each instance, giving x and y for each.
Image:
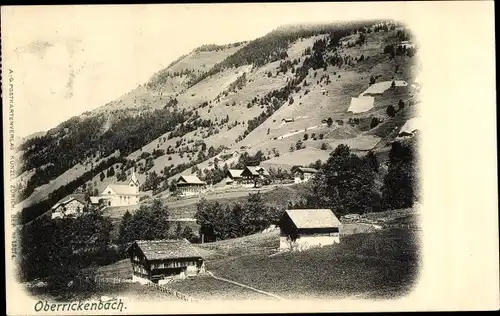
(156, 260)
(304, 229)
(255, 176)
(304, 174)
(190, 185)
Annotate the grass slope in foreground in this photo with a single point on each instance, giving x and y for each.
(382, 264)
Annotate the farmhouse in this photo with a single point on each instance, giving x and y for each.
(406, 44)
(361, 104)
(307, 228)
(156, 260)
(121, 194)
(304, 174)
(69, 206)
(287, 120)
(233, 177)
(255, 176)
(410, 128)
(190, 185)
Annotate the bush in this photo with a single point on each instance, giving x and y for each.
(390, 111)
(374, 122)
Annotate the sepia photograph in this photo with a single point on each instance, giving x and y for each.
(194, 155)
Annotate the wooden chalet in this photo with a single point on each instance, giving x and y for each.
(190, 185)
(70, 206)
(307, 228)
(255, 176)
(304, 174)
(155, 260)
(233, 177)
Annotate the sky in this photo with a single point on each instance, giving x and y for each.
(70, 59)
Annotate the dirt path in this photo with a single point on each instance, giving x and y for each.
(245, 286)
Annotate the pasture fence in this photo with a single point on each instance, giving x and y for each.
(177, 294)
(101, 279)
(161, 288)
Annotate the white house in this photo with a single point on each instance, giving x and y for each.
(307, 228)
(121, 194)
(304, 174)
(69, 206)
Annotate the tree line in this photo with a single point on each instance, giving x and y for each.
(218, 221)
(345, 183)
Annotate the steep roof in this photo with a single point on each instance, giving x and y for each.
(79, 197)
(191, 180)
(254, 171)
(307, 170)
(133, 178)
(121, 189)
(167, 249)
(235, 173)
(94, 199)
(313, 218)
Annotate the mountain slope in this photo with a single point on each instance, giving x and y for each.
(223, 99)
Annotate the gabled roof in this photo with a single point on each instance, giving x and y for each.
(133, 178)
(307, 170)
(313, 218)
(167, 249)
(94, 199)
(254, 171)
(65, 200)
(120, 189)
(235, 173)
(191, 180)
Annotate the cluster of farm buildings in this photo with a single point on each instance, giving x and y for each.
(127, 193)
(160, 261)
(251, 176)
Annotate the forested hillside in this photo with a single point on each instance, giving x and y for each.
(221, 99)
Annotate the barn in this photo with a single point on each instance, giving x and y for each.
(307, 228)
(156, 260)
